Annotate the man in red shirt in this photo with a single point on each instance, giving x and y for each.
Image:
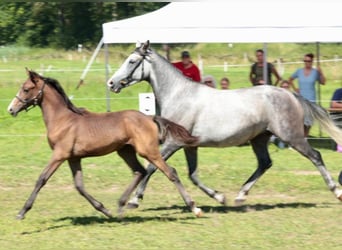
(188, 68)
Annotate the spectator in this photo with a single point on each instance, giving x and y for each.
(224, 83)
(209, 81)
(307, 78)
(336, 100)
(188, 68)
(256, 75)
(285, 84)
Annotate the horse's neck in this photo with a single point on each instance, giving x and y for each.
(166, 82)
(53, 107)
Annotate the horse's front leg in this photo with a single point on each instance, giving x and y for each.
(76, 169)
(191, 158)
(260, 148)
(167, 150)
(43, 178)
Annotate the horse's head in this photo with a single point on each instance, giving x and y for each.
(133, 70)
(30, 94)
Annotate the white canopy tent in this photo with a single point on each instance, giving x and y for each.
(231, 21)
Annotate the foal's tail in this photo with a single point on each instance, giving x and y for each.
(316, 112)
(179, 134)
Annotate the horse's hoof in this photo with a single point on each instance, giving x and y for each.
(239, 201)
(221, 198)
(198, 212)
(20, 217)
(132, 205)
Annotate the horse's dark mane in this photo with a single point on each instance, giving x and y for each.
(56, 85)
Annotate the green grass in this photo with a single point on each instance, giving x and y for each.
(289, 208)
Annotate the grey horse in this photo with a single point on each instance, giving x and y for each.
(223, 118)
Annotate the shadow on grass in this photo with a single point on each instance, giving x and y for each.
(191, 219)
(239, 209)
(88, 220)
(98, 220)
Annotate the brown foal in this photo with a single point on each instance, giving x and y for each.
(74, 133)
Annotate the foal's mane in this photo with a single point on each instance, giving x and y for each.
(56, 85)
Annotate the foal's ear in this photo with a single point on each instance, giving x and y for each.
(33, 75)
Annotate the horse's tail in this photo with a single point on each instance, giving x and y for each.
(179, 134)
(313, 111)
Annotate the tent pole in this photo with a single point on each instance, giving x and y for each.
(107, 76)
(319, 85)
(85, 71)
(265, 64)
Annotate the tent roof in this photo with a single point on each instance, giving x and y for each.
(233, 21)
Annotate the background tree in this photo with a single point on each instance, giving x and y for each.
(61, 24)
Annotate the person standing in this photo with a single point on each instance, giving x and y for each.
(307, 78)
(187, 67)
(256, 75)
(224, 83)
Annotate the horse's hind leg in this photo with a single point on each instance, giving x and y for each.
(260, 148)
(303, 147)
(128, 154)
(191, 158)
(76, 169)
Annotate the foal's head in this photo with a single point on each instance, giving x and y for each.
(30, 93)
(133, 70)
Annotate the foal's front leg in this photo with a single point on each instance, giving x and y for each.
(43, 178)
(76, 169)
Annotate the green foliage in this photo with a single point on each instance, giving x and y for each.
(63, 24)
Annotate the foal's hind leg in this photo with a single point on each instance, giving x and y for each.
(152, 155)
(76, 169)
(303, 147)
(260, 148)
(191, 158)
(167, 151)
(128, 154)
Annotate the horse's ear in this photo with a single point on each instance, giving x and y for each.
(146, 45)
(138, 44)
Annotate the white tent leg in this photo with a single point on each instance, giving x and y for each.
(107, 76)
(265, 76)
(85, 71)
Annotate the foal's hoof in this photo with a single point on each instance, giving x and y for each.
(198, 212)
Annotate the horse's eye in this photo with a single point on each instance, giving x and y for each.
(131, 62)
(25, 91)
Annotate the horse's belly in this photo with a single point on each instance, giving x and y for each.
(229, 137)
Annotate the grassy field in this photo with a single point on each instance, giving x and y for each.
(289, 208)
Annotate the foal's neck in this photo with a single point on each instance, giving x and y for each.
(53, 107)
